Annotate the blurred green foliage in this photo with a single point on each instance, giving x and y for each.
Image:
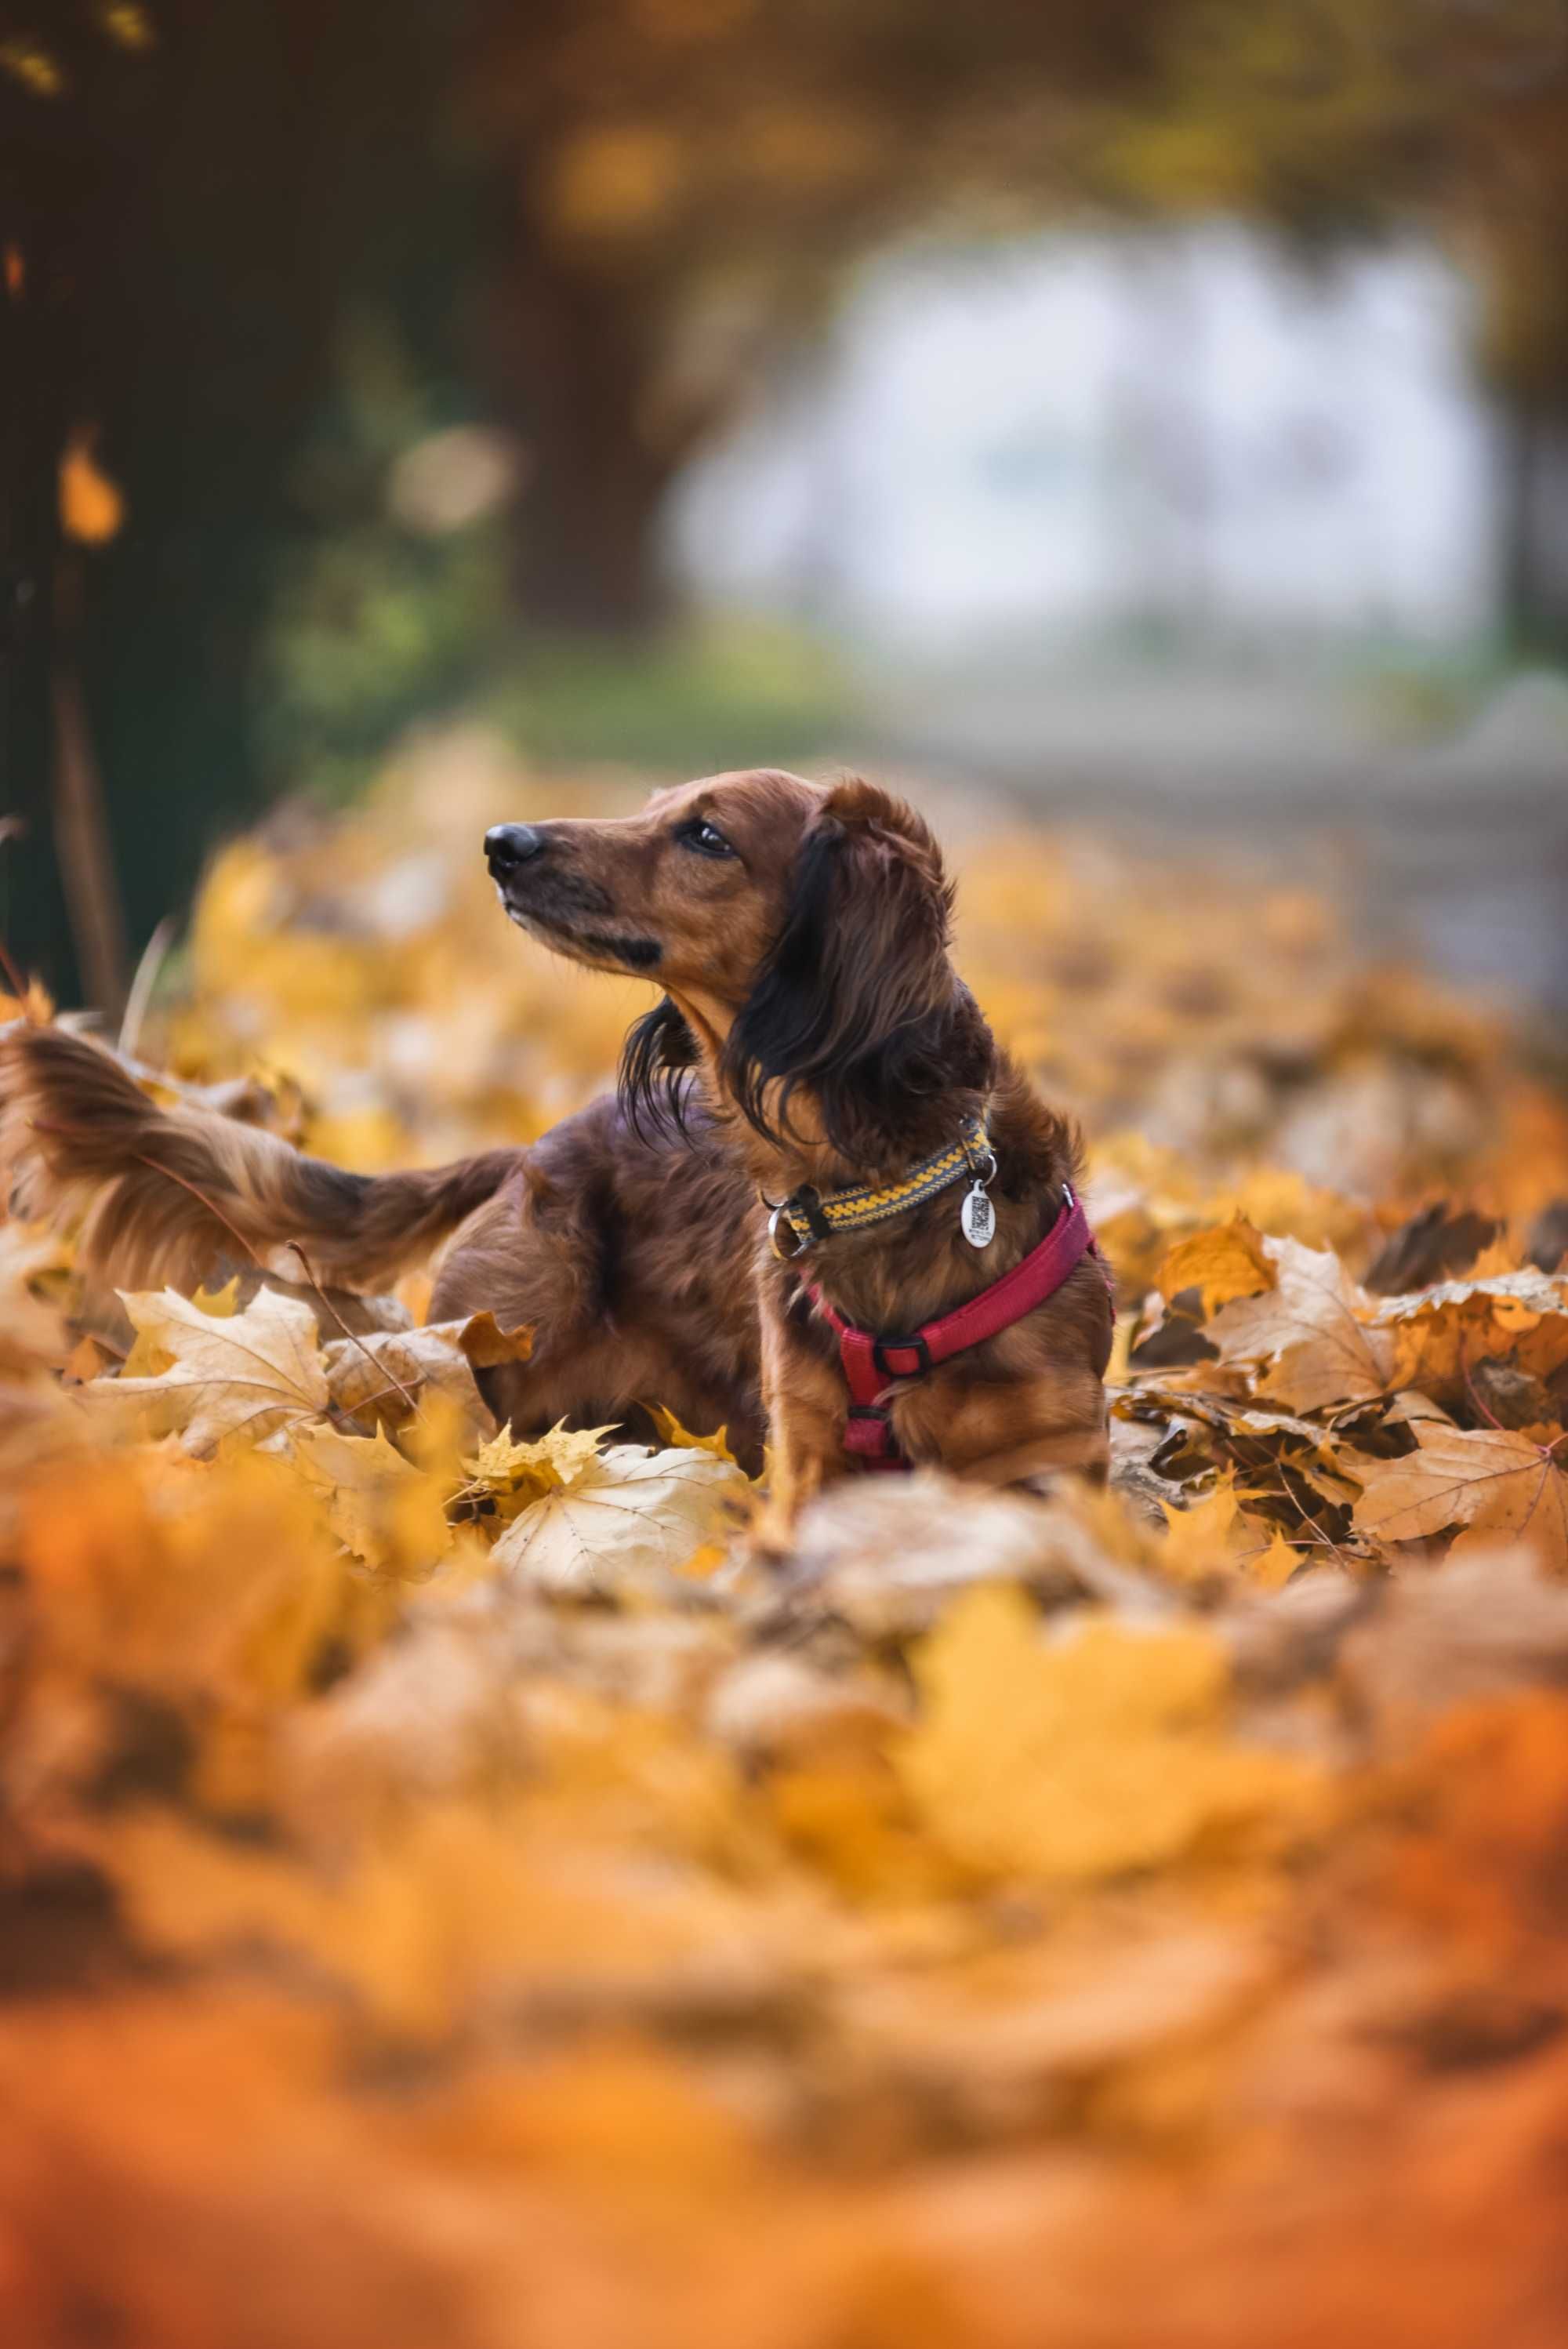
(372, 624)
(376, 623)
(715, 693)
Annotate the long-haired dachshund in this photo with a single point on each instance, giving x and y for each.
(823, 1208)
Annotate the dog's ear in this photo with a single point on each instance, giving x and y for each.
(857, 1003)
(659, 1051)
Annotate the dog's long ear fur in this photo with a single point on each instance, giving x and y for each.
(655, 1060)
(857, 1004)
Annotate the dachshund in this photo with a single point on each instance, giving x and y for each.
(701, 1240)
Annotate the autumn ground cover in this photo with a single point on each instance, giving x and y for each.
(450, 1894)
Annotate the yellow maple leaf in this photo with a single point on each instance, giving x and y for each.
(1081, 1756)
(512, 1475)
(384, 1509)
(1211, 1536)
(148, 1357)
(681, 1438)
(221, 1303)
(1229, 1260)
(243, 1375)
(1272, 1566)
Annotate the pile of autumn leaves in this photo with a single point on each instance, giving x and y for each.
(451, 1891)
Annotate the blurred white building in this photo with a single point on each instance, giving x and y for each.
(1183, 433)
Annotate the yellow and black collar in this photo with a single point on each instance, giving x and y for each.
(806, 1217)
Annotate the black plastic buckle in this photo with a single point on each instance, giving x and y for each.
(883, 1347)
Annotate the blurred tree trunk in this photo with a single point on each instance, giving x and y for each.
(580, 382)
(1534, 520)
(191, 218)
(1521, 440)
(32, 429)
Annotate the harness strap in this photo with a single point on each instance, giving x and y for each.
(870, 1363)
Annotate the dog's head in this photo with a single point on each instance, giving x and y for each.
(801, 931)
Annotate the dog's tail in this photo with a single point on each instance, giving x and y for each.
(166, 1194)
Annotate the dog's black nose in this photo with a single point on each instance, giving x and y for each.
(508, 845)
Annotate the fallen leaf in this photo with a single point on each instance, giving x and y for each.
(682, 1439)
(487, 1345)
(1441, 1334)
(1272, 1566)
(1494, 1481)
(888, 1554)
(1226, 1262)
(1432, 1246)
(382, 1376)
(1312, 1328)
(512, 1475)
(387, 1512)
(149, 1356)
(221, 1303)
(1100, 1750)
(243, 1375)
(1211, 1536)
(621, 1513)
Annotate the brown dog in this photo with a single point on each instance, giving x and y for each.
(811, 1037)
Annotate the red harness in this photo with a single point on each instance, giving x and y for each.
(872, 1363)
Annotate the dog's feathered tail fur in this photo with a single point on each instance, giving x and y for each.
(162, 1193)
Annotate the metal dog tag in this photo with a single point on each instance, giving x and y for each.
(977, 1217)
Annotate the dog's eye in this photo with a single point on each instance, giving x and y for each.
(705, 837)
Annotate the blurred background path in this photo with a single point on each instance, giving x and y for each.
(1459, 849)
(1158, 410)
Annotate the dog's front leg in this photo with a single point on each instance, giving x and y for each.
(1004, 1435)
(806, 1405)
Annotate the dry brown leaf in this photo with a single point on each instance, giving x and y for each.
(1441, 1334)
(383, 1376)
(1494, 1481)
(1312, 1329)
